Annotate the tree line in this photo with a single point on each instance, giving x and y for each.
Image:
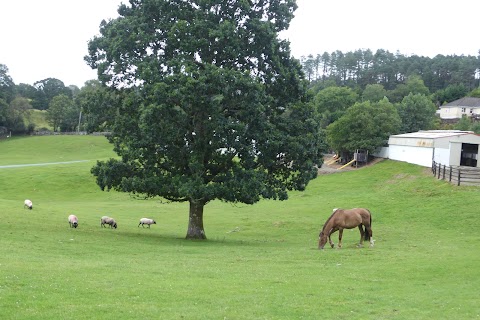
(67, 108)
(370, 75)
(362, 67)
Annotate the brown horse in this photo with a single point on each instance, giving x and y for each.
(346, 219)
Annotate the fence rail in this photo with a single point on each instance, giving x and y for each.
(458, 175)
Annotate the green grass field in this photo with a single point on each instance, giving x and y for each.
(260, 261)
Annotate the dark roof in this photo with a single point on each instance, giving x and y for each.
(464, 102)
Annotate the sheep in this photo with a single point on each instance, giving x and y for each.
(28, 204)
(146, 221)
(107, 220)
(73, 221)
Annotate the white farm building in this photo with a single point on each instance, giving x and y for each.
(447, 147)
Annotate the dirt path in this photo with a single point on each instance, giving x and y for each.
(39, 164)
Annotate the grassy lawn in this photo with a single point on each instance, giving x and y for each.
(45, 149)
(260, 261)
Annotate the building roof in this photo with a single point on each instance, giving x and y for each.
(432, 134)
(464, 102)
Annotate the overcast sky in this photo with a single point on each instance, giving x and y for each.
(48, 38)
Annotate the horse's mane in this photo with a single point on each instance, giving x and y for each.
(330, 218)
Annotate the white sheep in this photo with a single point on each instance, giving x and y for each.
(146, 221)
(73, 221)
(107, 220)
(28, 204)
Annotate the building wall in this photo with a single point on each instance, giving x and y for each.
(455, 153)
(381, 152)
(442, 155)
(417, 155)
(450, 113)
(457, 112)
(421, 149)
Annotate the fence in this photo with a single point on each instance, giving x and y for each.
(458, 175)
(72, 133)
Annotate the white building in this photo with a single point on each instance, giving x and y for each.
(448, 147)
(467, 106)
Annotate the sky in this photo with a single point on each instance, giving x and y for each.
(48, 38)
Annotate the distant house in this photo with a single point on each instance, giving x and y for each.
(448, 147)
(454, 110)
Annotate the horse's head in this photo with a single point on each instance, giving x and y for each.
(322, 239)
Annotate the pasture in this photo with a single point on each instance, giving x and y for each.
(260, 261)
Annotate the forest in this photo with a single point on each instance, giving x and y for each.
(336, 81)
(357, 69)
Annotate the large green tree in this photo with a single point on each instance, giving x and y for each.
(98, 105)
(47, 89)
(57, 111)
(14, 114)
(374, 93)
(212, 103)
(7, 87)
(366, 125)
(332, 102)
(417, 112)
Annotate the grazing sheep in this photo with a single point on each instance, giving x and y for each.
(146, 221)
(28, 204)
(107, 220)
(73, 221)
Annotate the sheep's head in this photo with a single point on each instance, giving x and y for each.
(114, 225)
(75, 224)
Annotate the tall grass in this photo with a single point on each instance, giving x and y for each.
(261, 261)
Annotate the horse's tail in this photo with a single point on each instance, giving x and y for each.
(368, 229)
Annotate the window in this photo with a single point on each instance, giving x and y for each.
(463, 110)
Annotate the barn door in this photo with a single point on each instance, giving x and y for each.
(469, 155)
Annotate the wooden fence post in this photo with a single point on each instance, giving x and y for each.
(450, 175)
(458, 182)
(443, 178)
(439, 167)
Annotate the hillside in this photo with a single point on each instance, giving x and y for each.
(38, 118)
(260, 261)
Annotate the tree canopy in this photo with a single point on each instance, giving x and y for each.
(332, 102)
(57, 110)
(417, 112)
(362, 67)
(7, 87)
(366, 125)
(212, 103)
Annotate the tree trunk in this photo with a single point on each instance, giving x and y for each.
(195, 221)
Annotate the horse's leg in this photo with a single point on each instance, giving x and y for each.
(340, 235)
(368, 229)
(330, 238)
(362, 235)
